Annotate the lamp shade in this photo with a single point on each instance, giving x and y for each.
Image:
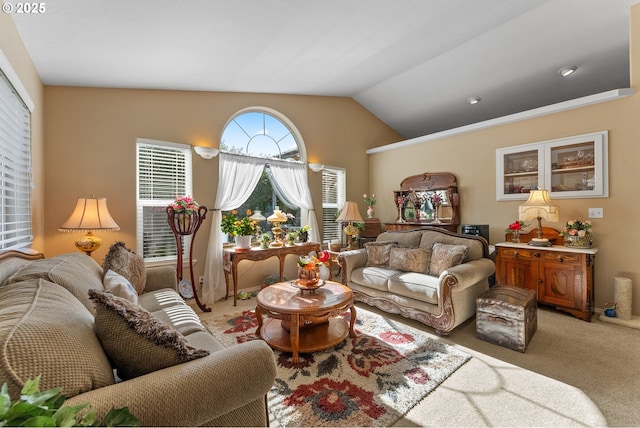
(349, 213)
(538, 206)
(277, 217)
(90, 214)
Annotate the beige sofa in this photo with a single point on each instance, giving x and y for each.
(415, 280)
(47, 328)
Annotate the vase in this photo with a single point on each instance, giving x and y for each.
(308, 276)
(435, 220)
(370, 212)
(243, 242)
(515, 236)
(577, 241)
(304, 236)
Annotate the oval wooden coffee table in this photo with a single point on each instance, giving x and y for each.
(304, 321)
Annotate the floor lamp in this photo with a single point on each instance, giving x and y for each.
(539, 207)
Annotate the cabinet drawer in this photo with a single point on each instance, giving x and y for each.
(516, 253)
(554, 256)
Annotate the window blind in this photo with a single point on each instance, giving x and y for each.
(333, 198)
(15, 168)
(164, 172)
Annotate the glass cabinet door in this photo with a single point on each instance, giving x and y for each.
(518, 171)
(577, 167)
(573, 167)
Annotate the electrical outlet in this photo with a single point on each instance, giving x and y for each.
(596, 213)
(201, 280)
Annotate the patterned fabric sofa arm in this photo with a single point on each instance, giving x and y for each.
(350, 260)
(470, 273)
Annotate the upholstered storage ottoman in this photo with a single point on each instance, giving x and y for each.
(507, 316)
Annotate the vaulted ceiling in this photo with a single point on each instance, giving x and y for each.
(412, 63)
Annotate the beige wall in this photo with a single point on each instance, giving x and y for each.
(91, 135)
(13, 48)
(471, 157)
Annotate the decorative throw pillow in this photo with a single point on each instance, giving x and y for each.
(120, 286)
(135, 341)
(378, 252)
(127, 263)
(445, 256)
(409, 259)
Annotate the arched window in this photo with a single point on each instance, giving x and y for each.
(262, 164)
(264, 133)
(261, 133)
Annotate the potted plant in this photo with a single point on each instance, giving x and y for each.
(265, 240)
(304, 233)
(291, 237)
(184, 208)
(243, 229)
(36, 408)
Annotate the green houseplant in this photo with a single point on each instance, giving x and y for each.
(37, 408)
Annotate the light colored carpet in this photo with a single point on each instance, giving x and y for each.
(574, 373)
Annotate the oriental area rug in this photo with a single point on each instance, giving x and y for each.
(371, 380)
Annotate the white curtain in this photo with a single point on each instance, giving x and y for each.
(291, 180)
(238, 177)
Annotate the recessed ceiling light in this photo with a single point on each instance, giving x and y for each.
(473, 100)
(567, 71)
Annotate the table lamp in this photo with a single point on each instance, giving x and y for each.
(539, 207)
(276, 218)
(350, 214)
(90, 214)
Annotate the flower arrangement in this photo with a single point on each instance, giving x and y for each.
(185, 204)
(516, 226)
(234, 226)
(416, 200)
(312, 262)
(369, 200)
(577, 228)
(435, 199)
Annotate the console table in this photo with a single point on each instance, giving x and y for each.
(233, 256)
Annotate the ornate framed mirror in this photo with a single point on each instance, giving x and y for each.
(428, 199)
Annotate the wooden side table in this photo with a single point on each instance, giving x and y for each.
(304, 321)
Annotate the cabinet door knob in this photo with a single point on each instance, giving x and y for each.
(515, 256)
(536, 255)
(560, 259)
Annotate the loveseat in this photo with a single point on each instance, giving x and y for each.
(50, 326)
(428, 274)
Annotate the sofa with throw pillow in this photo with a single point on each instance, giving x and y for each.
(121, 336)
(428, 274)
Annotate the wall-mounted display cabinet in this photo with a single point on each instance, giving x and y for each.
(572, 167)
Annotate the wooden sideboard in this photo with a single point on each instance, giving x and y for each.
(561, 276)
